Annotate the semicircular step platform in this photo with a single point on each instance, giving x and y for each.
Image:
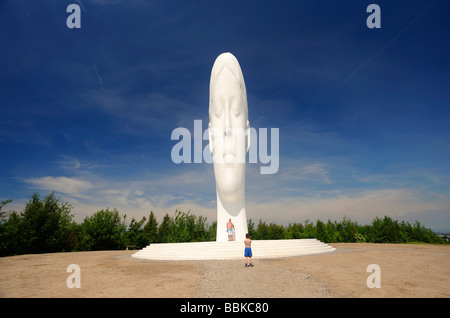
(232, 250)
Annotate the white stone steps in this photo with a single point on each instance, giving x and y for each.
(232, 250)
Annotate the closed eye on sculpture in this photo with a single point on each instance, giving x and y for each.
(236, 108)
(218, 107)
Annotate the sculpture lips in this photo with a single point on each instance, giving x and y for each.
(229, 158)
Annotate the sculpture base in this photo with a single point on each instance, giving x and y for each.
(232, 250)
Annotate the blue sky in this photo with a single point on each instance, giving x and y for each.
(363, 114)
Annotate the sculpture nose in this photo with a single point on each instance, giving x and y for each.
(228, 133)
(227, 124)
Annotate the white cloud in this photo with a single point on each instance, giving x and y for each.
(71, 186)
(69, 163)
(314, 172)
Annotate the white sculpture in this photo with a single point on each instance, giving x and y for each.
(229, 140)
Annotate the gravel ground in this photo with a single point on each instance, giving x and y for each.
(407, 270)
(230, 279)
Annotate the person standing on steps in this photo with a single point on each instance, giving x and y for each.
(230, 230)
(248, 251)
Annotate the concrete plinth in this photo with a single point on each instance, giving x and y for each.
(232, 250)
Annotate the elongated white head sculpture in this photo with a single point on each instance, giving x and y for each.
(229, 140)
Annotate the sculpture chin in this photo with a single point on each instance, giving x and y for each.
(230, 181)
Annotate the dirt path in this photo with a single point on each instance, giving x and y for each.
(406, 271)
(229, 279)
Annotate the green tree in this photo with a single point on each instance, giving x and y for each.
(212, 231)
(333, 233)
(391, 230)
(73, 237)
(294, 231)
(359, 238)
(405, 232)
(104, 230)
(347, 230)
(150, 231)
(164, 230)
(44, 224)
(383, 231)
(275, 231)
(251, 228)
(11, 236)
(201, 229)
(321, 232)
(262, 231)
(135, 233)
(4, 236)
(2, 214)
(182, 227)
(309, 230)
(187, 227)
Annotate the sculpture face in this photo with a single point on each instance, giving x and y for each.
(228, 123)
